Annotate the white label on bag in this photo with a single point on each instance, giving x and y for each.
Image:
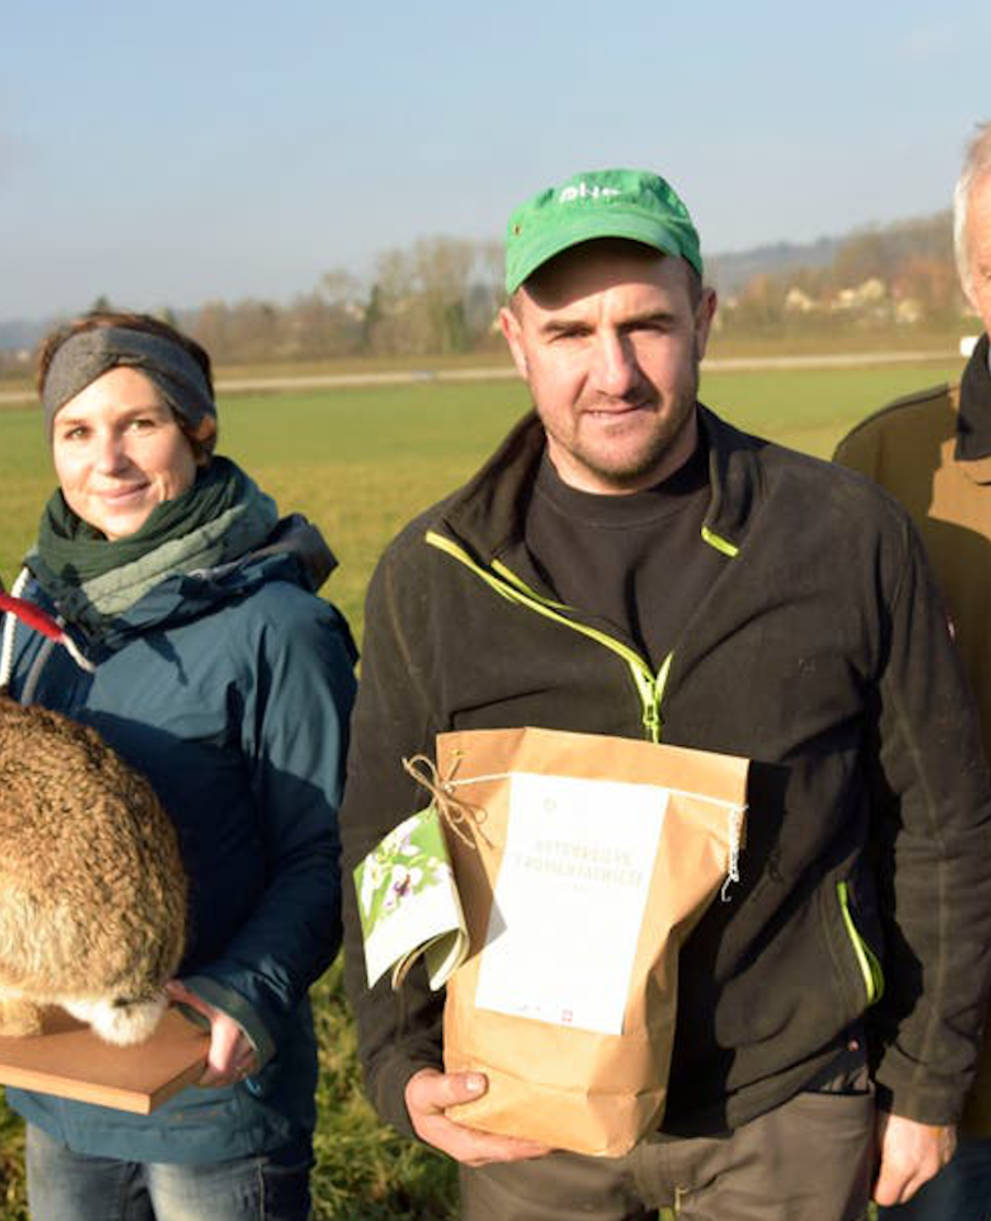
(569, 899)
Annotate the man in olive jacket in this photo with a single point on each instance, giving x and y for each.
(629, 564)
(932, 450)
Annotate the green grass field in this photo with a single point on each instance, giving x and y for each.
(360, 463)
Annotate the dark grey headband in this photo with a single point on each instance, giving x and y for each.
(87, 355)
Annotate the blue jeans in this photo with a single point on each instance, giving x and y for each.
(67, 1186)
(960, 1192)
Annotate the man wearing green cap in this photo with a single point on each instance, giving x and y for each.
(628, 563)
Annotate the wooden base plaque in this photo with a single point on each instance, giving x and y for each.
(69, 1060)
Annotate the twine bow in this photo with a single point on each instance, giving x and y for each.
(455, 812)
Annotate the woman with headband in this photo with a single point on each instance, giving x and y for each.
(214, 669)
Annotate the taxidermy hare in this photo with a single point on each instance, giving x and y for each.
(93, 893)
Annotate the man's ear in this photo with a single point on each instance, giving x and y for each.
(513, 332)
(704, 314)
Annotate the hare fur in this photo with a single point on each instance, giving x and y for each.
(93, 894)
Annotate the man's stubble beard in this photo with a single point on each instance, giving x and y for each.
(631, 476)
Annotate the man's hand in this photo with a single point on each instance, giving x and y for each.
(428, 1094)
(911, 1153)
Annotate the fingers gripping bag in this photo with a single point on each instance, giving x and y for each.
(582, 863)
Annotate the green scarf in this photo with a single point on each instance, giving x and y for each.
(218, 519)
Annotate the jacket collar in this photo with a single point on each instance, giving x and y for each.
(489, 512)
(970, 402)
(974, 411)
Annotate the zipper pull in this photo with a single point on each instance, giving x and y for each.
(652, 721)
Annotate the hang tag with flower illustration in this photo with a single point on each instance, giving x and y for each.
(409, 905)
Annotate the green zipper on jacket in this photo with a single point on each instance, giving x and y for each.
(720, 543)
(507, 584)
(870, 967)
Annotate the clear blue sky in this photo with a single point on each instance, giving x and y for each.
(166, 154)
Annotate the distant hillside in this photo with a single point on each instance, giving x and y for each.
(21, 333)
(442, 294)
(730, 272)
(867, 250)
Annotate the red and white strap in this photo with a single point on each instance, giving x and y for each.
(42, 622)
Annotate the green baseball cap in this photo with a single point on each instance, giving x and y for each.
(633, 204)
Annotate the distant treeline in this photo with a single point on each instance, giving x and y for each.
(442, 295)
(902, 274)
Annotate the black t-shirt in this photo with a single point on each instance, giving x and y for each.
(636, 561)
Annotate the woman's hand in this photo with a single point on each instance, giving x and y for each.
(231, 1057)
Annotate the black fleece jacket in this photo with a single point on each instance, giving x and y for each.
(822, 653)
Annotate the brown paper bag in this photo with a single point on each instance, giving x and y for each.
(589, 1078)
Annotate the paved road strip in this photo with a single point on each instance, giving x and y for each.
(732, 364)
